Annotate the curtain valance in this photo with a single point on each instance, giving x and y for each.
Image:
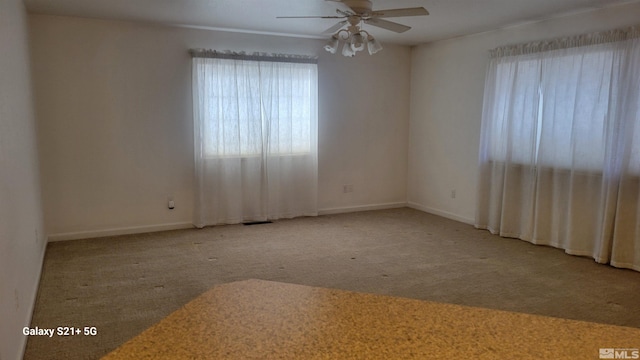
(256, 56)
(567, 42)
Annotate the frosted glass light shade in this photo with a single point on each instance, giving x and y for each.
(347, 50)
(332, 45)
(373, 45)
(357, 42)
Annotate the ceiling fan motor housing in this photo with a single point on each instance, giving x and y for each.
(361, 7)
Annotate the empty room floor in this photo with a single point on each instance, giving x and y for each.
(123, 285)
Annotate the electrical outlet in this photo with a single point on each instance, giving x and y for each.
(172, 204)
(453, 193)
(347, 188)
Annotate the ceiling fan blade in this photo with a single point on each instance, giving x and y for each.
(309, 17)
(417, 11)
(342, 7)
(344, 13)
(335, 27)
(388, 25)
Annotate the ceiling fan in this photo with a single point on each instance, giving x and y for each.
(354, 13)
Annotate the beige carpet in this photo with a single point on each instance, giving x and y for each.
(122, 285)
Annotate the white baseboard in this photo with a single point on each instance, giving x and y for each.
(348, 209)
(442, 213)
(34, 292)
(188, 225)
(118, 231)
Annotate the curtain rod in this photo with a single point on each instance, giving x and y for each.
(256, 56)
(595, 38)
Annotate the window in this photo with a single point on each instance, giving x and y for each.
(249, 108)
(559, 152)
(255, 122)
(555, 110)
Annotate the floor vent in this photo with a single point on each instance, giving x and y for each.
(257, 222)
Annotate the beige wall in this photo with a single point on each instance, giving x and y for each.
(447, 85)
(114, 122)
(21, 230)
(114, 113)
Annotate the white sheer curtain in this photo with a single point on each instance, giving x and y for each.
(255, 138)
(560, 146)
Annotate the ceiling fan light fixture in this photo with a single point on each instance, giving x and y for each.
(332, 45)
(373, 45)
(355, 13)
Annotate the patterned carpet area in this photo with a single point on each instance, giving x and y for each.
(123, 285)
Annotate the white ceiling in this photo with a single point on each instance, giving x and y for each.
(449, 18)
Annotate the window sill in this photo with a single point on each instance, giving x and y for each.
(256, 156)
